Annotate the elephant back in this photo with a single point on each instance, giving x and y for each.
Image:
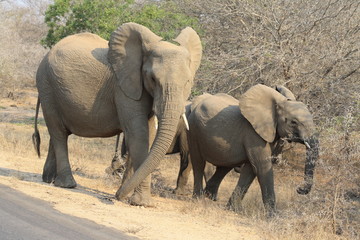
(76, 61)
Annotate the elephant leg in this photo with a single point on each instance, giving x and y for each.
(198, 164)
(183, 176)
(129, 170)
(58, 148)
(247, 176)
(49, 171)
(265, 177)
(141, 195)
(212, 186)
(138, 146)
(260, 159)
(64, 177)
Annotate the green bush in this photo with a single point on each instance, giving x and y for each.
(102, 17)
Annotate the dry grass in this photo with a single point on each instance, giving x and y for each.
(330, 211)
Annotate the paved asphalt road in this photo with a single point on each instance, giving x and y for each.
(23, 217)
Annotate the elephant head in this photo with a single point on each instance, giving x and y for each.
(143, 62)
(274, 116)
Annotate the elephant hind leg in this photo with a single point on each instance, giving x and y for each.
(49, 171)
(64, 177)
(212, 186)
(58, 159)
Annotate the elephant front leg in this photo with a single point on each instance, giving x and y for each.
(198, 164)
(266, 180)
(260, 160)
(142, 195)
(139, 137)
(247, 176)
(49, 171)
(183, 176)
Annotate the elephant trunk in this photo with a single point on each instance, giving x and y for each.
(167, 129)
(312, 154)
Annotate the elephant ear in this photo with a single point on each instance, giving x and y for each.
(190, 40)
(258, 106)
(285, 92)
(127, 46)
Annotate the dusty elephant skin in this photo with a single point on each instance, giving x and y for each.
(230, 133)
(93, 88)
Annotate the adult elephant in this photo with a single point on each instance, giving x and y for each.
(94, 88)
(230, 133)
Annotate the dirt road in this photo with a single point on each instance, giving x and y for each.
(23, 217)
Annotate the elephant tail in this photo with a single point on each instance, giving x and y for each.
(36, 135)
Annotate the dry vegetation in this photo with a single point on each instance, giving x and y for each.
(312, 47)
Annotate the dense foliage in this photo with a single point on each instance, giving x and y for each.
(102, 17)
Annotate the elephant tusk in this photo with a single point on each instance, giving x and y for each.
(185, 121)
(156, 122)
(307, 145)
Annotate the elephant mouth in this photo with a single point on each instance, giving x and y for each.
(303, 141)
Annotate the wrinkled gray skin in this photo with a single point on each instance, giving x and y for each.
(179, 145)
(232, 133)
(94, 88)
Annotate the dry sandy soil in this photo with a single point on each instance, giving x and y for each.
(173, 217)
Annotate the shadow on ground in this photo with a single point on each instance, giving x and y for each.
(103, 197)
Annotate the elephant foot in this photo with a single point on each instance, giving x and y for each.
(211, 193)
(65, 180)
(198, 196)
(138, 199)
(271, 214)
(234, 204)
(231, 206)
(48, 177)
(49, 172)
(179, 191)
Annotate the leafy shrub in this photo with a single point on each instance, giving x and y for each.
(66, 17)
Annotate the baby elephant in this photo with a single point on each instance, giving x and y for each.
(229, 133)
